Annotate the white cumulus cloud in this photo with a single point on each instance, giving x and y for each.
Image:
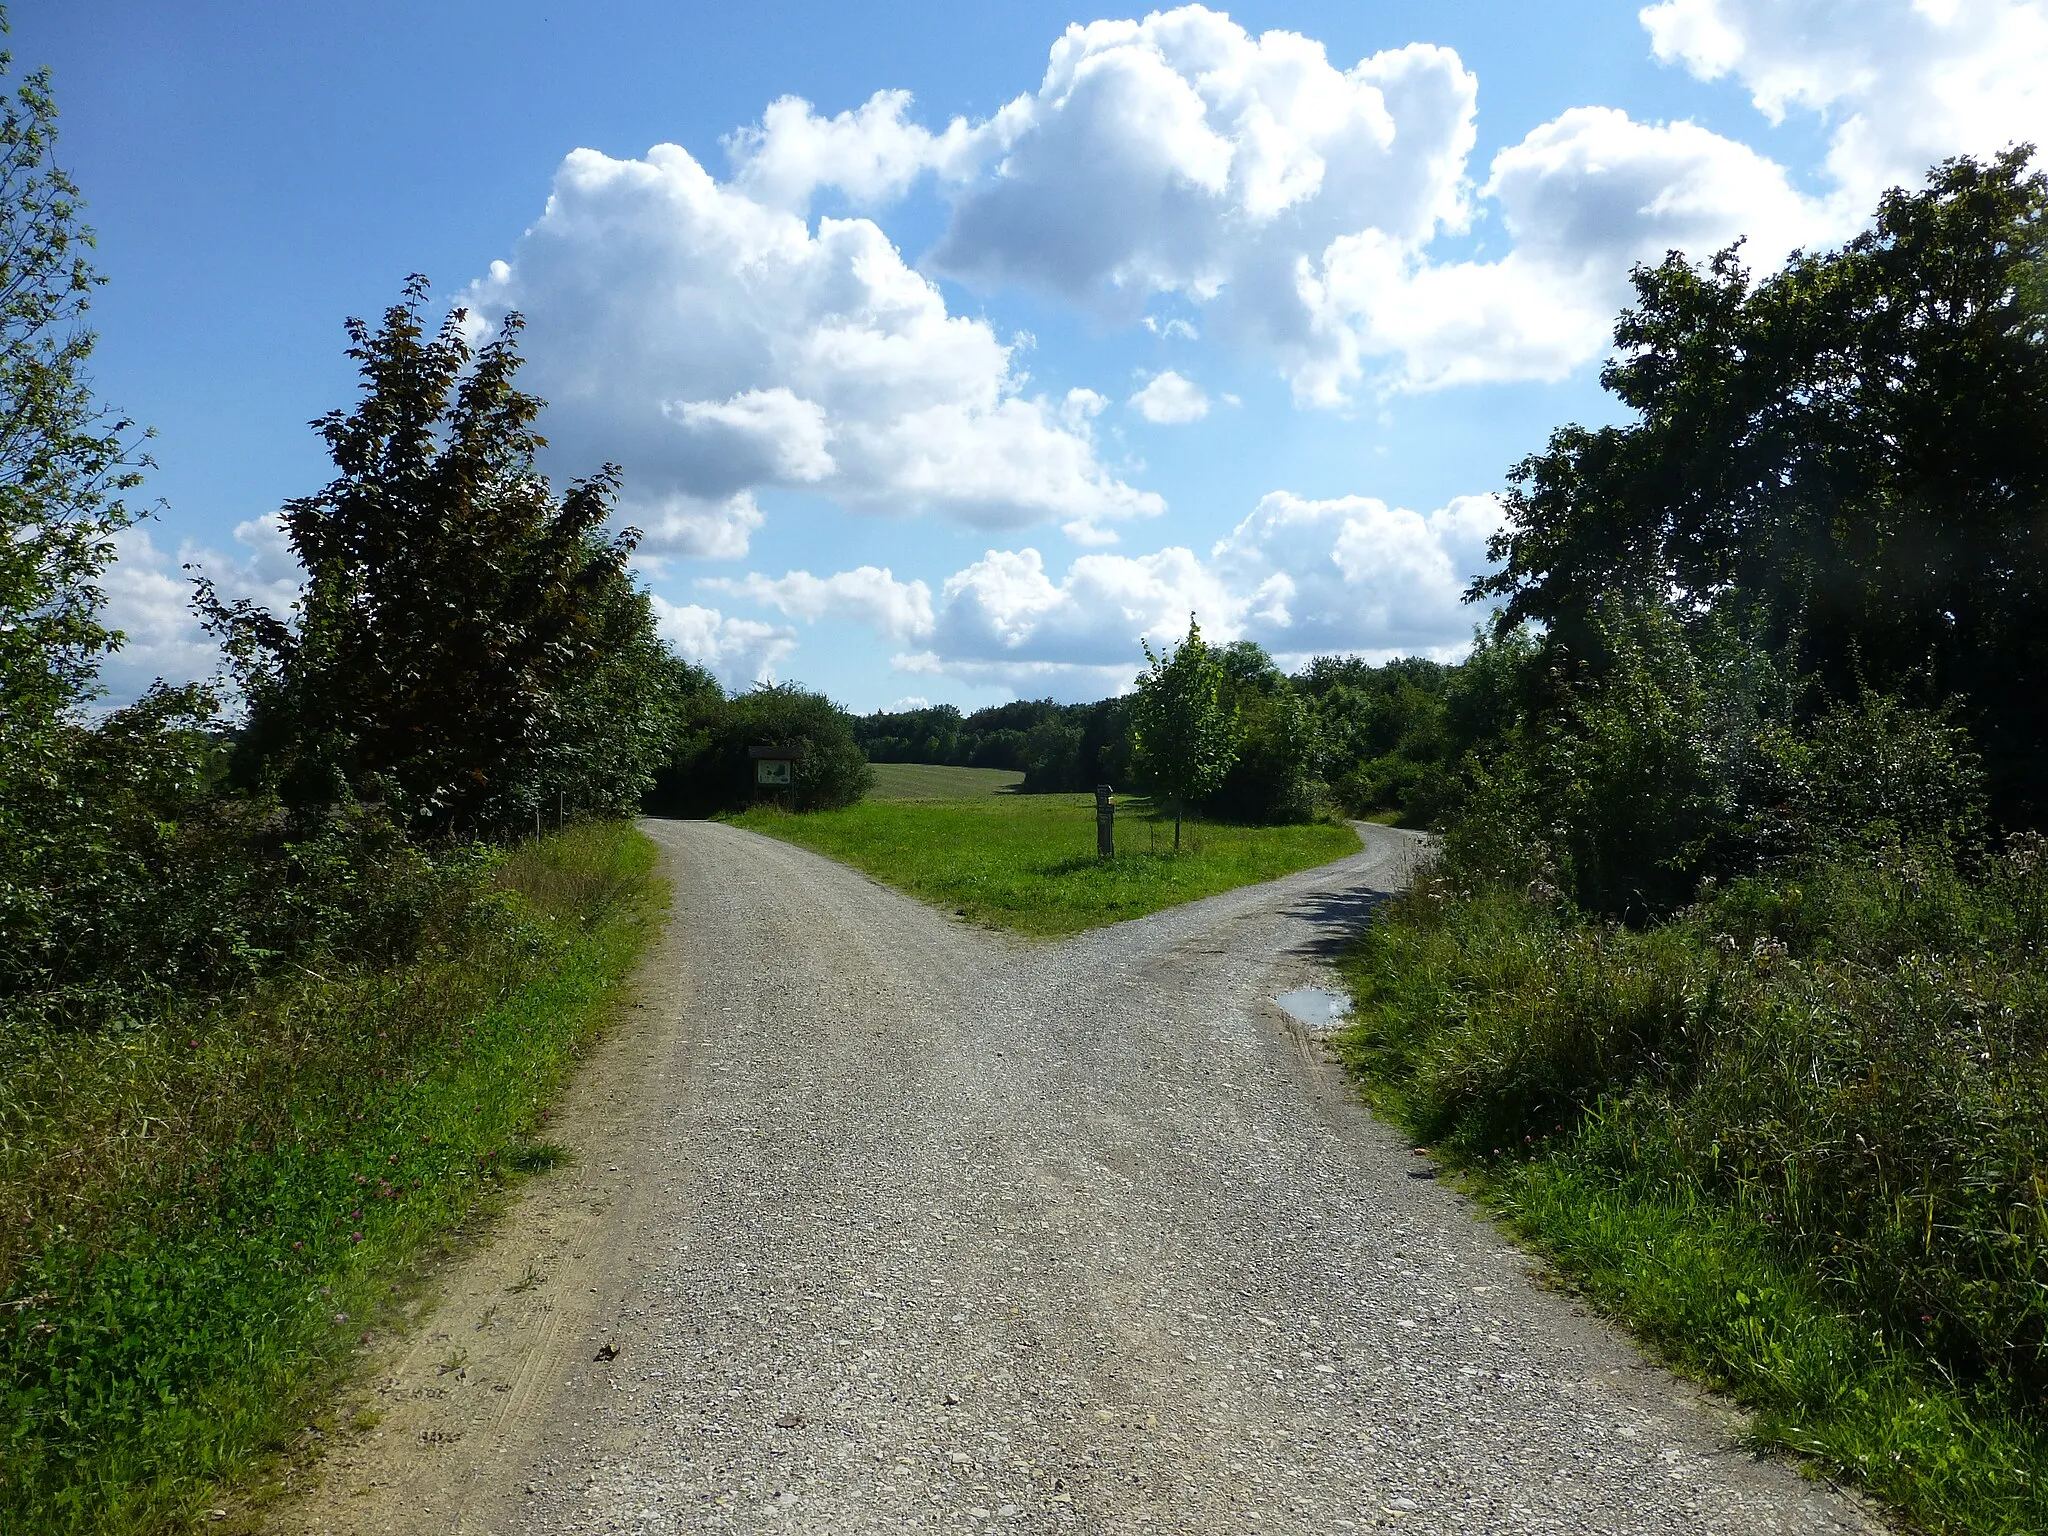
(1181, 153)
(899, 610)
(1900, 84)
(1584, 196)
(1299, 204)
(736, 651)
(1169, 400)
(716, 344)
(1299, 576)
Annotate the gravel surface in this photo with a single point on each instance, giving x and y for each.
(885, 1223)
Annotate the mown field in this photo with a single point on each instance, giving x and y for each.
(1027, 862)
(935, 781)
(202, 1223)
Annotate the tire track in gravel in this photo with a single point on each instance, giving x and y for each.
(898, 1225)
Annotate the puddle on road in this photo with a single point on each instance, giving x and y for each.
(1316, 1007)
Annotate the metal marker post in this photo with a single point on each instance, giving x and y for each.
(1105, 822)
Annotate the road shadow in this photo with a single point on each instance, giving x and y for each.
(1335, 918)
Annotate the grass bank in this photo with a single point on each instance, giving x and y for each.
(1027, 862)
(1797, 1137)
(200, 1223)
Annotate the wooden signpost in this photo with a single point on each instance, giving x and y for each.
(1105, 822)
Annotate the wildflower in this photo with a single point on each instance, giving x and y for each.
(355, 1237)
(340, 1317)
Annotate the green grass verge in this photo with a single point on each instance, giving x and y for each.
(313, 1144)
(1765, 1137)
(935, 781)
(1709, 1289)
(1027, 862)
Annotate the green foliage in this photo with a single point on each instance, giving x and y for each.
(1380, 735)
(1870, 773)
(1058, 746)
(63, 460)
(199, 1218)
(709, 769)
(929, 735)
(1765, 652)
(469, 647)
(1273, 777)
(1182, 725)
(1853, 452)
(1628, 776)
(1051, 753)
(1027, 862)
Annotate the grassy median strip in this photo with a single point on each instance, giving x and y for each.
(204, 1222)
(1796, 1137)
(1027, 862)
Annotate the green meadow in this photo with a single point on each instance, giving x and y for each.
(1027, 862)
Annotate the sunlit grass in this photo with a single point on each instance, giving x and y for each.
(198, 1222)
(1027, 862)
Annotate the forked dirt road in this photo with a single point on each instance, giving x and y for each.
(883, 1223)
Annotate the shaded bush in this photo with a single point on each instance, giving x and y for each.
(1273, 778)
(710, 771)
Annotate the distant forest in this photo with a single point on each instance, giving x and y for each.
(1339, 732)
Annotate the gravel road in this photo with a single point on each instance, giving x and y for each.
(885, 1223)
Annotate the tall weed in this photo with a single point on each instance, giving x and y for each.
(1845, 1064)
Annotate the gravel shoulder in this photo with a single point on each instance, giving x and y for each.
(884, 1223)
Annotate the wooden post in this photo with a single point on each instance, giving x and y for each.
(1105, 822)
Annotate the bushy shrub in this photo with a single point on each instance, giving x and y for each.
(1869, 773)
(1274, 776)
(1852, 1053)
(1632, 765)
(710, 770)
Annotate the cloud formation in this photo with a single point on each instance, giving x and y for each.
(1900, 85)
(1298, 204)
(1584, 197)
(738, 652)
(1299, 576)
(149, 599)
(716, 345)
(1170, 400)
(897, 610)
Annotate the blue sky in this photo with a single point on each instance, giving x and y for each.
(956, 395)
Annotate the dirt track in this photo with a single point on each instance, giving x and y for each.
(896, 1225)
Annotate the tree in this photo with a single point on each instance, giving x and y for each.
(63, 460)
(1185, 730)
(455, 609)
(1853, 451)
(1274, 776)
(83, 811)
